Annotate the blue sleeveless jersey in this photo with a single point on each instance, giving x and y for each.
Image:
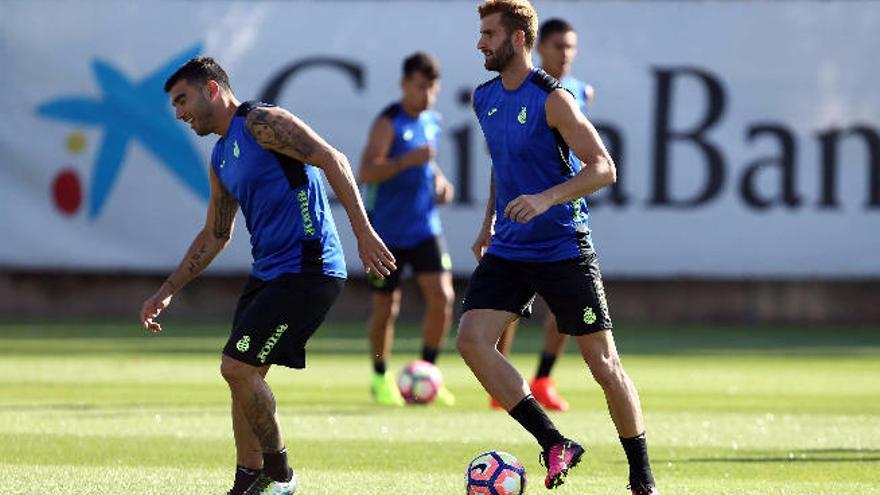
(529, 157)
(402, 209)
(283, 202)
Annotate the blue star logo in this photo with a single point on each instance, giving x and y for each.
(133, 111)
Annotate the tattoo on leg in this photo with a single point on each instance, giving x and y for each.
(262, 421)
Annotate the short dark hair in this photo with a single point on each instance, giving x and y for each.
(553, 26)
(423, 63)
(199, 71)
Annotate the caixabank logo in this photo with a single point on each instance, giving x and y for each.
(126, 111)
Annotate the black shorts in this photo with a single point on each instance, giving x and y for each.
(428, 256)
(275, 318)
(572, 289)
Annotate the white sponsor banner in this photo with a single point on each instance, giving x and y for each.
(747, 134)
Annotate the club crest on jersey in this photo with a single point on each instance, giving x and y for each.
(521, 118)
(235, 150)
(408, 135)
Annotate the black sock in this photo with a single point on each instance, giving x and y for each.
(429, 354)
(244, 478)
(530, 415)
(275, 465)
(546, 364)
(379, 367)
(636, 449)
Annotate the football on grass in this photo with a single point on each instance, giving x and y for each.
(496, 473)
(419, 382)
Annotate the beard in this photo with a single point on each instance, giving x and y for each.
(202, 117)
(499, 60)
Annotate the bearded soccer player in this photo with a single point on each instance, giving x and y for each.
(268, 162)
(534, 240)
(404, 186)
(558, 47)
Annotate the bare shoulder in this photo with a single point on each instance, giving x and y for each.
(276, 129)
(260, 117)
(561, 106)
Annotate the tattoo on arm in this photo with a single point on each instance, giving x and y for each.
(195, 261)
(225, 208)
(273, 131)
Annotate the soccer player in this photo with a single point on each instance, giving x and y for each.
(557, 46)
(534, 240)
(267, 162)
(405, 184)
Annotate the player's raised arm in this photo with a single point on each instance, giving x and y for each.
(208, 243)
(597, 167)
(278, 130)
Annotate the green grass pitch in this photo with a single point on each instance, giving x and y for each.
(108, 409)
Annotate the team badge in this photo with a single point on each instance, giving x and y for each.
(589, 316)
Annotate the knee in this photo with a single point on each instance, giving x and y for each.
(234, 371)
(609, 373)
(394, 309)
(441, 297)
(386, 308)
(467, 342)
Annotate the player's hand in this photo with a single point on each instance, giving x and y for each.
(152, 307)
(418, 156)
(526, 207)
(480, 245)
(377, 259)
(444, 191)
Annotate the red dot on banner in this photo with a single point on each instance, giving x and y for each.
(66, 192)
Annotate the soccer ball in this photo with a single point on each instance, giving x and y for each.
(496, 473)
(419, 382)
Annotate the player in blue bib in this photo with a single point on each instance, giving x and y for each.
(557, 45)
(534, 240)
(268, 163)
(404, 186)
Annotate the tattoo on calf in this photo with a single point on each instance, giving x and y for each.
(263, 423)
(273, 131)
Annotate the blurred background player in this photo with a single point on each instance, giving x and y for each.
(404, 186)
(261, 163)
(534, 240)
(557, 46)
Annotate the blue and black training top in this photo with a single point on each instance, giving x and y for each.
(402, 209)
(528, 157)
(283, 202)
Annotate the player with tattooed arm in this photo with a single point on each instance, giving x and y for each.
(267, 162)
